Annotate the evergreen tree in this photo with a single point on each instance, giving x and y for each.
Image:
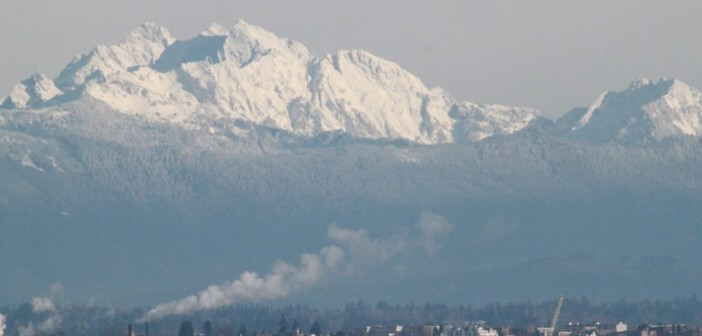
(242, 331)
(295, 325)
(186, 329)
(315, 329)
(207, 328)
(283, 325)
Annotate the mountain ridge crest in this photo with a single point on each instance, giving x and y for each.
(249, 74)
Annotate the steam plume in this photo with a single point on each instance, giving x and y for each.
(48, 326)
(353, 248)
(44, 306)
(2, 325)
(432, 227)
(280, 281)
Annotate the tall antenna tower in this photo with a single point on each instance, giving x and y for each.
(554, 320)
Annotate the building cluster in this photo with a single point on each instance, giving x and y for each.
(570, 329)
(622, 329)
(478, 328)
(450, 329)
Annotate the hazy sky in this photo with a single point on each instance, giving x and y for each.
(551, 55)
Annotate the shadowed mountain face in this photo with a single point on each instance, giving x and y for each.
(151, 169)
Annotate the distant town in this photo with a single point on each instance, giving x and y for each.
(453, 328)
(560, 317)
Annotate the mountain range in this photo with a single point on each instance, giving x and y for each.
(152, 168)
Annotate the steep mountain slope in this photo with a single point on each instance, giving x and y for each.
(645, 112)
(225, 77)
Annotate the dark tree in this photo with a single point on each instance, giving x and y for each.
(283, 325)
(315, 329)
(207, 328)
(295, 326)
(186, 329)
(242, 331)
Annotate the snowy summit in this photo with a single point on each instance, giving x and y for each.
(646, 111)
(246, 75)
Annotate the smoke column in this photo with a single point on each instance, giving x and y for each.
(2, 325)
(353, 248)
(46, 308)
(281, 280)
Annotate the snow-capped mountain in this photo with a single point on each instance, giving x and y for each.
(237, 147)
(33, 91)
(246, 74)
(646, 111)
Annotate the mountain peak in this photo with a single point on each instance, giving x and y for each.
(142, 47)
(241, 23)
(247, 75)
(215, 29)
(148, 37)
(673, 91)
(150, 31)
(661, 87)
(678, 88)
(646, 111)
(257, 37)
(33, 91)
(244, 26)
(639, 83)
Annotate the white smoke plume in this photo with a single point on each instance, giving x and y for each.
(353, 248)
(2, 325)
(28, 330)
(280, 281)
(48, 326)
(432, 227)
(44, 306)
(363, 249)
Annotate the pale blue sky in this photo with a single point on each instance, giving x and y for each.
(551, 55)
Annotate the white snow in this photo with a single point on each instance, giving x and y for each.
(35, 90)
(590, 110)
(26, 161)
(54, 163)
(44, 88)
(18, 97)
(477, 122)
(646, 111)
(249, 74)
(147, 93)
(142, 47)
(405, 156)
